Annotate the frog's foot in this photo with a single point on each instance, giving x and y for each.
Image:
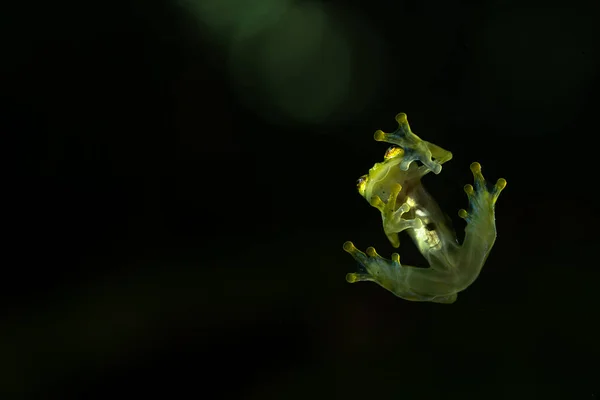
(481, 200)
(377, 269)
(393, 223)
(414, 147)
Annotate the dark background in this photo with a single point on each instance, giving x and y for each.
(163, 235)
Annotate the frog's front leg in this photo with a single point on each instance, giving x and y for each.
(432, 156)
(392, 216)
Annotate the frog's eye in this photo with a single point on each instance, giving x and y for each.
(361, 184)
(392, 152)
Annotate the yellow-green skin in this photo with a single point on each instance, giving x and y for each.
(394, 188)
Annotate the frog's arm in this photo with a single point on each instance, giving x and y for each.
(394, 188)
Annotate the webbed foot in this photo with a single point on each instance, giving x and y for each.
(481, 200)
(378, 269)
(414, 147)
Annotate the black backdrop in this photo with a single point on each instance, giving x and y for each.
(161, 237)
